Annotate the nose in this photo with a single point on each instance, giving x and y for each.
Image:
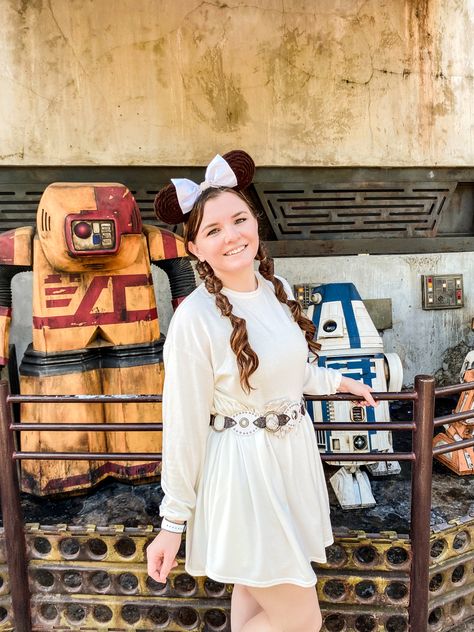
(230, 233)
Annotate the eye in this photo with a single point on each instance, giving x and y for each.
(240, 219)
(212, 232)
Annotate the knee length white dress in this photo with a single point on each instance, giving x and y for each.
(256, 505)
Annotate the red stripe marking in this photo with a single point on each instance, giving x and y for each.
(96, 474)
(121, 202)
(59, 303)
(53, 278)
(86, 316)
(112, 198)
(7, 247)
(169, 245)
(61, 290)
(5, 311)
(59, 322)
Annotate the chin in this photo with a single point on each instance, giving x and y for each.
(244, 262)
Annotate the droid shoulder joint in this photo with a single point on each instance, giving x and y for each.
(163, 244)
(16, 246)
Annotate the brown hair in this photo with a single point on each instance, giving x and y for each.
(247, 359)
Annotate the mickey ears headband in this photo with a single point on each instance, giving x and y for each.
(174, 202)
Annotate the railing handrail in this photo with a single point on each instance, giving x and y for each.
(448, 419)
(19, 455)
(158, 425)
(133, 399)
(455, 389)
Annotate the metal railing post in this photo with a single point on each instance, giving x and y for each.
(15, 546)
(421, 482)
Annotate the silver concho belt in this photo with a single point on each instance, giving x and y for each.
(249, 422)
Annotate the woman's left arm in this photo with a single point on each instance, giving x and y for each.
(321, 381)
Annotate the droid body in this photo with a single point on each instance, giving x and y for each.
(460, 461)
(95, 326)
(351, 344)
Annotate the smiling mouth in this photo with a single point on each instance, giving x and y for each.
(235, 251)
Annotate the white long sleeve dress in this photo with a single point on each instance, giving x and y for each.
(256, 506)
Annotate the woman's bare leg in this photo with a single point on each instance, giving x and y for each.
(243, 607)
(285, 608)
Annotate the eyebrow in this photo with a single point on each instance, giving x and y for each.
(217, 223)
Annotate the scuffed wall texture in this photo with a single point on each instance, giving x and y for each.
(295, 82)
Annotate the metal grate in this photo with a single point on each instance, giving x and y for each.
(18, 205)
(375, 209)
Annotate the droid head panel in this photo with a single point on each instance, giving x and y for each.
(342, 320)
(89, 226)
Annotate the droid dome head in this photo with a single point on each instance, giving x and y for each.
(342, 321)
(89, 226)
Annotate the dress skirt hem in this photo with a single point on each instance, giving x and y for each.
(255, 584)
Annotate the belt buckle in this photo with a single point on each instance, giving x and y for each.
(244, 423)
(271, 422)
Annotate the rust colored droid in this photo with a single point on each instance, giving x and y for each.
(460, 461)
(95, 326)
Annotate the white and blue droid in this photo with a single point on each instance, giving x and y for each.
(351, 344)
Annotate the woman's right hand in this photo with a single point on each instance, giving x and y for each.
(161, 555)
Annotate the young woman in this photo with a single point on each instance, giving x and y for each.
(240, 461)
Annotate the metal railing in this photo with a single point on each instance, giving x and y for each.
(422, 426)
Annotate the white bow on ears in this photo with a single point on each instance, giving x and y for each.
(218, 174)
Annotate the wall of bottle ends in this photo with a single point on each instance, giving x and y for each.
(95, 578)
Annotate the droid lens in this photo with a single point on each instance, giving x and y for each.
(83, 230)
(330, 326)
(360, 442)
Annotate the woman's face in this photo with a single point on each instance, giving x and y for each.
(227, 237)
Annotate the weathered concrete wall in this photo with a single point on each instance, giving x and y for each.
(419, 337)
(295, 82)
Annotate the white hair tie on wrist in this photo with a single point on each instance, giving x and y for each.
(174, 527)
(218, 174)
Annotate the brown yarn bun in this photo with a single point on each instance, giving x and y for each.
(242, 165)
(167, 208)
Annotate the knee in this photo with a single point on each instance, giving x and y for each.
(306, 621)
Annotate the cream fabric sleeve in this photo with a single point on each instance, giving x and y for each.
(320, 381)
(187, 398)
